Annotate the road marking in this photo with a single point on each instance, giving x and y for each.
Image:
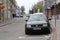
(30, 37)
(21, 37)
(41, 37)
(47, 37)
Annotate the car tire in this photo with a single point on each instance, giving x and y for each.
(26, 31)
(49, 31)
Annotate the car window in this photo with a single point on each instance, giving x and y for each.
(37, 18)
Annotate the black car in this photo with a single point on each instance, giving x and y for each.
(37, 24)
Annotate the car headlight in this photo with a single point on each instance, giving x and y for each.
(44, 25)
(28, 25)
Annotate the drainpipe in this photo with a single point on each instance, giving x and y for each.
(7, 8)
(55, 12)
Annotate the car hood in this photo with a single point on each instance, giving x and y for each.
(36, 22)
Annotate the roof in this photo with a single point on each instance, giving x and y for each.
(38, 13)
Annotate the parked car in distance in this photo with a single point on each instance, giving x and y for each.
(17, 15)
(21, 15)
(27, 15)
(37, 24)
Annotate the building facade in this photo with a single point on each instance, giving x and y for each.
(49, 9)
(18, 11)
(13, 7)
(10, 8)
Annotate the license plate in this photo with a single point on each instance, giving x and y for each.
(36, 28)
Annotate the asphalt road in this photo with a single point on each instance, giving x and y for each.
(16, 31)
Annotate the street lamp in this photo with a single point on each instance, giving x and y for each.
(55, 12)
(55, 21)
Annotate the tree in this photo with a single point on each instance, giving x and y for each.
(39, 6)
(58, 9)
(22, 10)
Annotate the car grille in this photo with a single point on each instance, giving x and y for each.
(33, 25)
(40, 25)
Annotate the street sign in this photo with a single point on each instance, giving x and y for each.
(2, 6)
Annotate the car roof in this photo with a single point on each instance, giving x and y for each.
(38, 13)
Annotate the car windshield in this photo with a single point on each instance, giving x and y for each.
(37, 17)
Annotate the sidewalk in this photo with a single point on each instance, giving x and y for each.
(57, 28)
(53, 17)
(8, 22)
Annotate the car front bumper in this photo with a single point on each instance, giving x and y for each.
(44, 30)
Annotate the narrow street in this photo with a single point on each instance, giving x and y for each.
(15, 31)
(41, 13)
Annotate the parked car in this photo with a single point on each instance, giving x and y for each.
(14, 15)
(37, 24)
(27, 15)
(17, 15)
(21, 15)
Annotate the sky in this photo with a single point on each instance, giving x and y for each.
(28, 4)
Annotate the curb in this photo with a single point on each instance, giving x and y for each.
(7, 23)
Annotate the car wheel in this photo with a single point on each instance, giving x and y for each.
(26, 31)
(49, 31)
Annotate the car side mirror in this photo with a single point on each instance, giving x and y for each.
(49, 18)
(26, 20)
